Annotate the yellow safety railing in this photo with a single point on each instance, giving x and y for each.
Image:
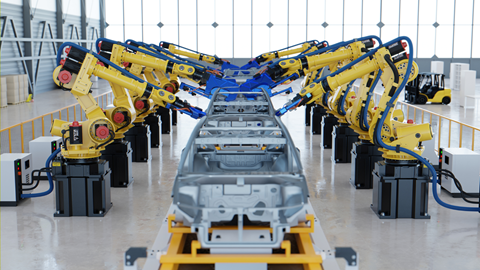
(103, 100)
(431, 114)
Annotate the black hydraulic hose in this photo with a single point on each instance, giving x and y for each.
(396, 77)
(146, 110)
(361, 119)
(365, 105)
(325, 99)
(339, 111)
(33, 179)
(458, 185)
(64, 140)
(126, 124)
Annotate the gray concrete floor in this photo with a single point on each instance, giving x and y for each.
(31, 238)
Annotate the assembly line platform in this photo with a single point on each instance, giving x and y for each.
(304, 247)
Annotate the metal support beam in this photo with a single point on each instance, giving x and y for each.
(73, 38)
(83, 12)
(59, 20)
(103, 22)
(28, 46)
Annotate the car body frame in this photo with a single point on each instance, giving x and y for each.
(240, 168)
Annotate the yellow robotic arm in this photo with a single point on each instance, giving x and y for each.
(99, 129)
(83, 140)
(394, 132)
(354, 115)
(310, 63)
(306, 47)
(194, 55)
(138, 61)
(334, 104)
(94, 67)
(123, 113)
(335, 101)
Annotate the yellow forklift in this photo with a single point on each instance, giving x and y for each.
(428, 87)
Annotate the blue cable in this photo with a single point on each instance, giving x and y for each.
(369, 97)
(319, 72)
(49, 176)
(407, 151)
(342, 102)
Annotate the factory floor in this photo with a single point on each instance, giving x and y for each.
(31, 238)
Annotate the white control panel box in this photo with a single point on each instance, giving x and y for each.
(15, 170)
(41, 148)
(465, 165)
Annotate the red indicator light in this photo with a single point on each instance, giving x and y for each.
(19, 173)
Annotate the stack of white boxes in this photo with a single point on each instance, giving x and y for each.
(24, 77)
(21, 86)
(436, 67)
(456, 74)
(13, 89)
(16, 88)
(467, 89)
(3, 93)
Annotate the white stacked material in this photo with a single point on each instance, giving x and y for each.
(13, 93)
(456, 73)
(25, 85)
(21, 86)
(467, 88)
(3, 92)
(437, 67)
